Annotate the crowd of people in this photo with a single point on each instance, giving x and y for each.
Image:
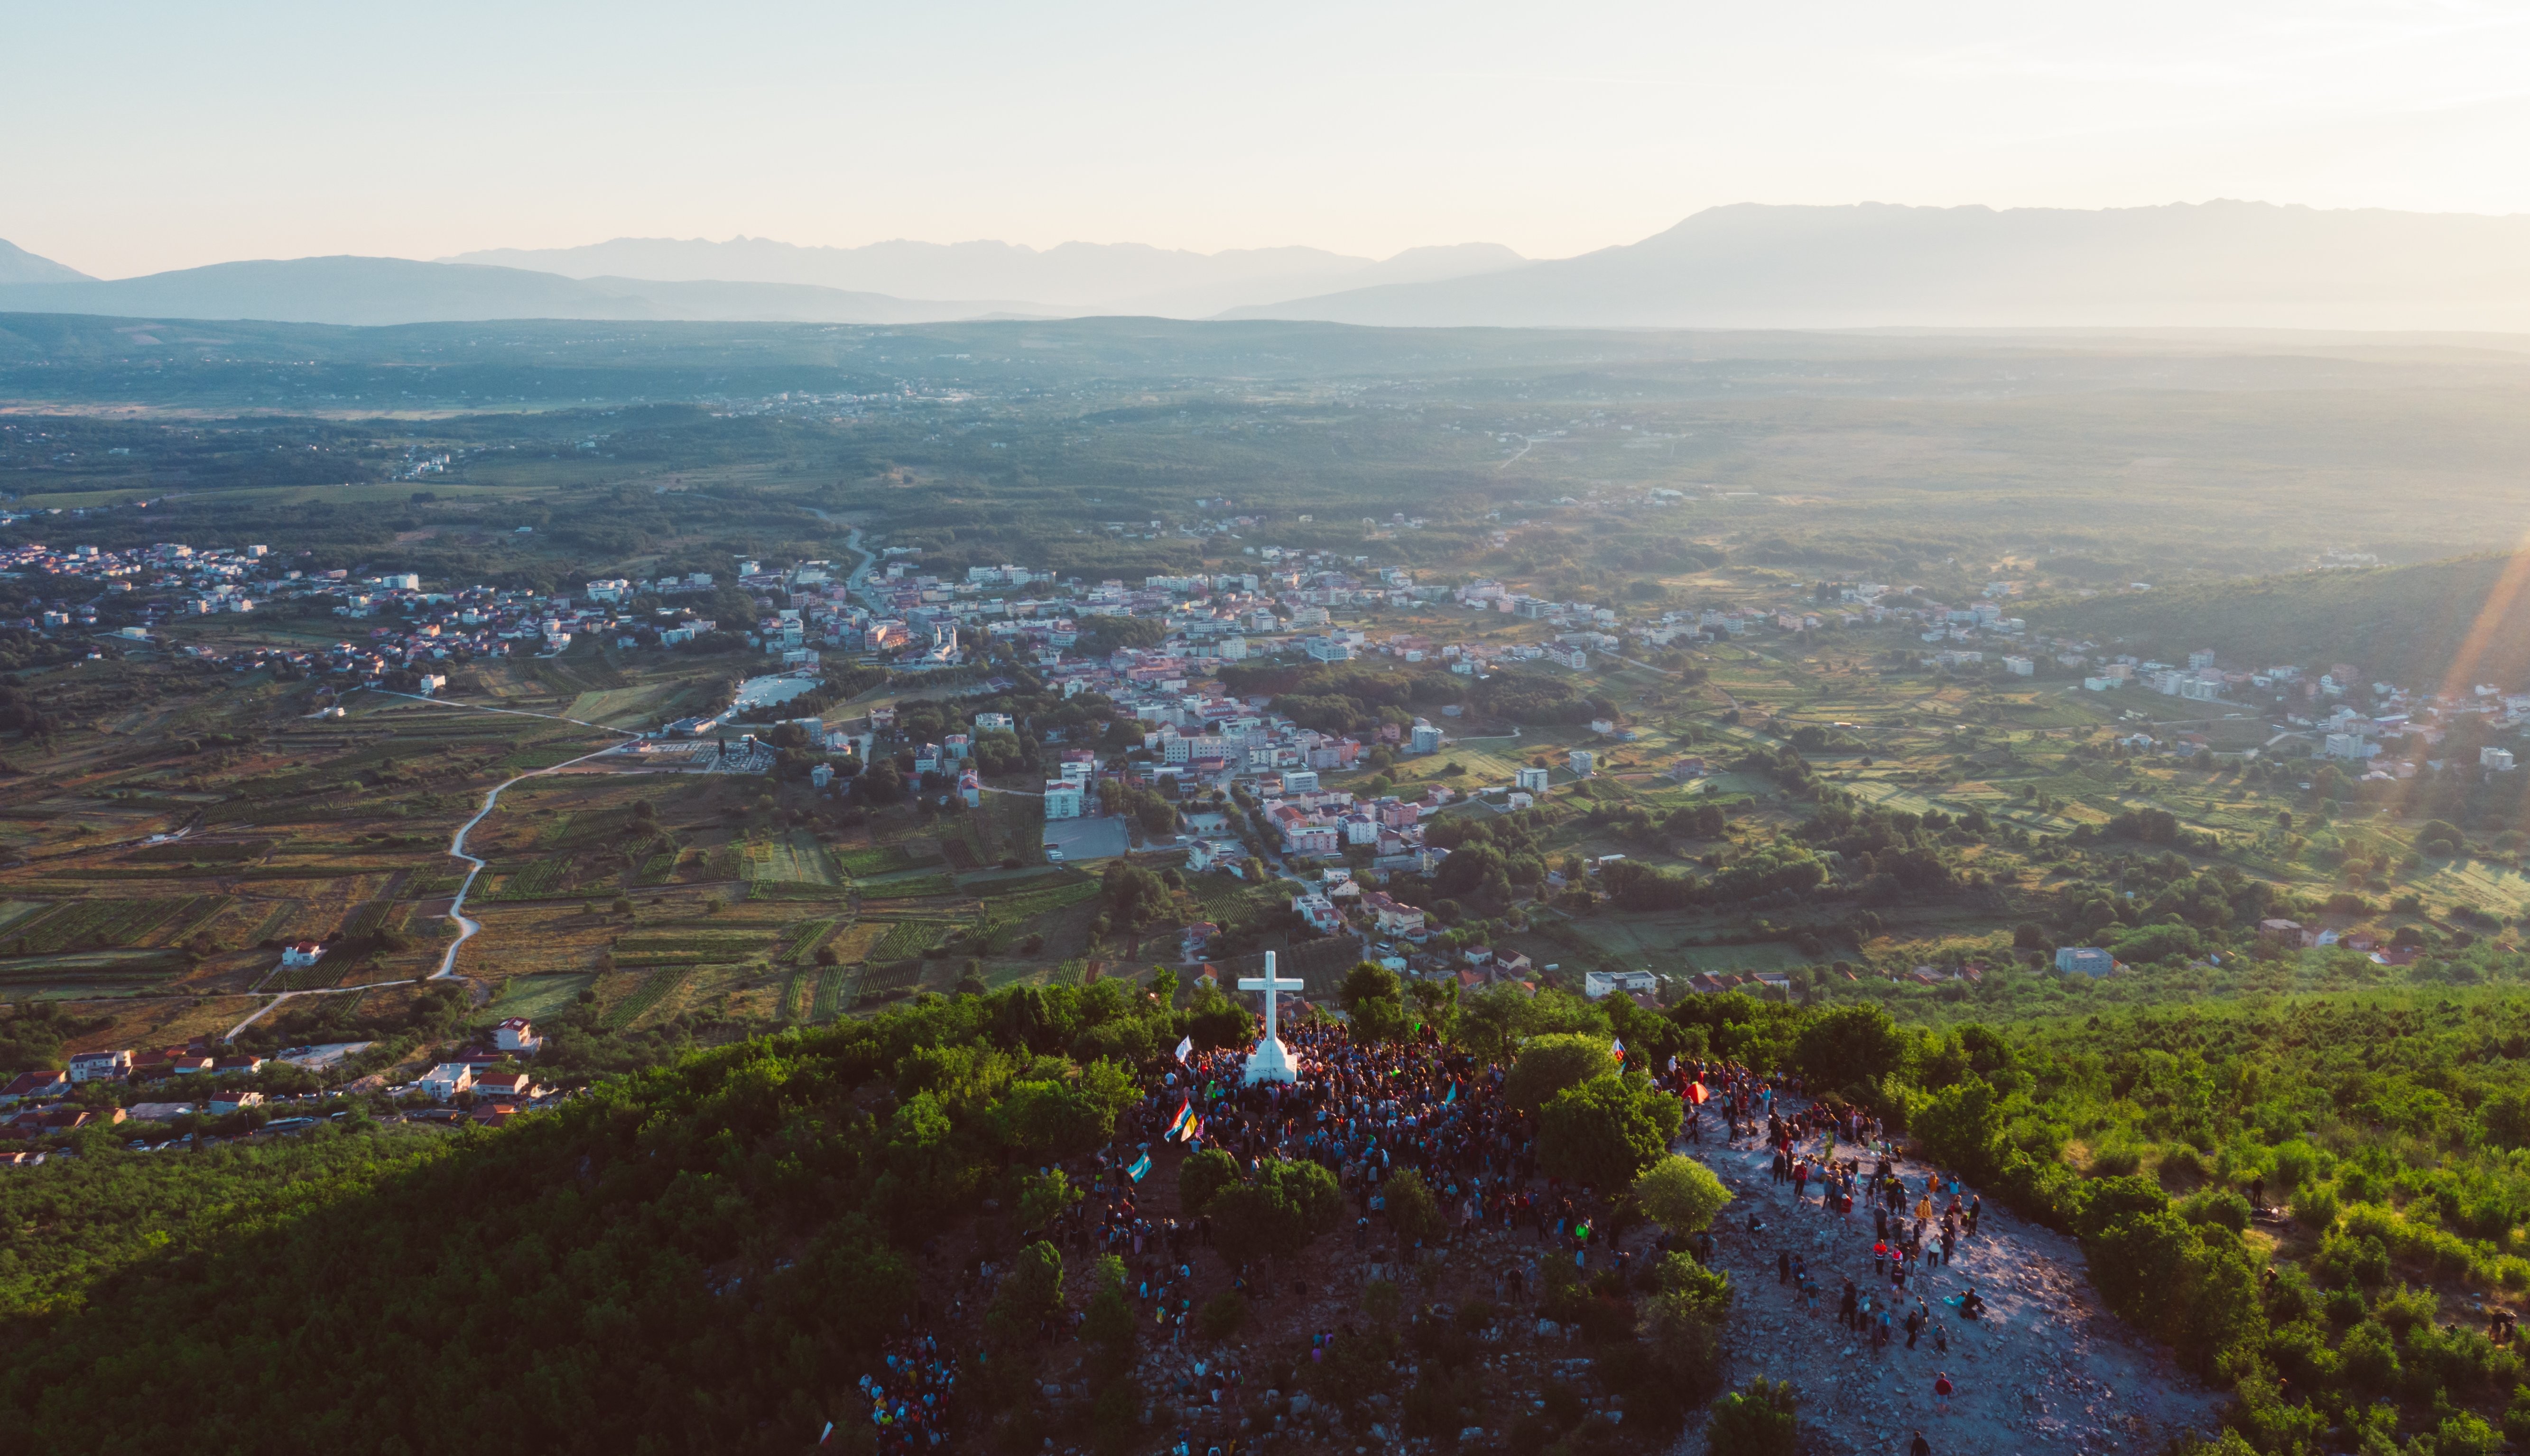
(1369, 1112)
(910, 1397)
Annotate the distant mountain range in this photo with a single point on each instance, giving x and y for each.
(2210, 265)
(16, 265)
(1126, 278)
(400, 291)
(1871, 265)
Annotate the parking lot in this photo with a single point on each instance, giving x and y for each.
(1086, 838)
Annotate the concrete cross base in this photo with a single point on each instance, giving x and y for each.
(1271, 1062)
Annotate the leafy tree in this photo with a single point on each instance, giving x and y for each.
(1281, 1209)
(1043, 1196)
(1370, 997)
(1606, 1131)
(1201, 1176)
(1680, 1193)
(1549, 1064)
(1851, 1047)
(1030, 1294)
(1413, 1211)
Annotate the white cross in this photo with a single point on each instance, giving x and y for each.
(1268, 984)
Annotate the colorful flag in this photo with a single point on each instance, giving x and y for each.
(1185, 1114)
(1451, 1096)
(1185, 1047)
(1616, 1050)
(827, 1436)
(1194, 1130)
(1141, 1166)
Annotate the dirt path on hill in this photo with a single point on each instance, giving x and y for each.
(466, 928)
(2047, 1369)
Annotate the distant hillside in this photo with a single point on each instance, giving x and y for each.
(16, 265)
(2215, 265)
(399, 291)
(2402, 625)
(1107, 277)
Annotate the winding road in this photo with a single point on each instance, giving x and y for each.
(466, 926)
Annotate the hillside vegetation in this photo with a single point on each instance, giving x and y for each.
(2404, 622)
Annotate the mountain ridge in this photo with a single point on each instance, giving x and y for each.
(2223, 264)
(16, 265)
(1105, 277)
(346, 289)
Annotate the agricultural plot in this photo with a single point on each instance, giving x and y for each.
(1025, 883)
(886, 983)
(627, 707)
(87, 973)
(802, 941)
(682, 947)
(796, 858)
(1007, 909)
(905, 939)
(912, 886)
(882, 859)
(557, 878)
(646, 996)
(856, 942)
(102, 923)
(2500, 889)
(834, 992)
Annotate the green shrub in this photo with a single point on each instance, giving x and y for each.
(2116, 1159)
(2349, 1258)
(2218, 1206)
(1760, 1421)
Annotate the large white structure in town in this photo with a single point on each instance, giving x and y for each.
(1271, 1062)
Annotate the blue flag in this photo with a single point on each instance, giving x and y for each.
(1141, 1166)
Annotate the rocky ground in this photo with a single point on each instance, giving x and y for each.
(2047, 1369)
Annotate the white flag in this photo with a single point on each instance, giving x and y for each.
(1185, 1047)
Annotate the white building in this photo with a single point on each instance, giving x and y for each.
(516, 1033)
(2353, 746)
(1531, 780)
(446, 1080)
(2497, 760)
(1598, 983)
(100, 1066)
(1062, 799)
(1584, 762)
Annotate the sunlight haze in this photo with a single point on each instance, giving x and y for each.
(171, 137)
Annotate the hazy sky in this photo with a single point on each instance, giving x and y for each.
(141, 136)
